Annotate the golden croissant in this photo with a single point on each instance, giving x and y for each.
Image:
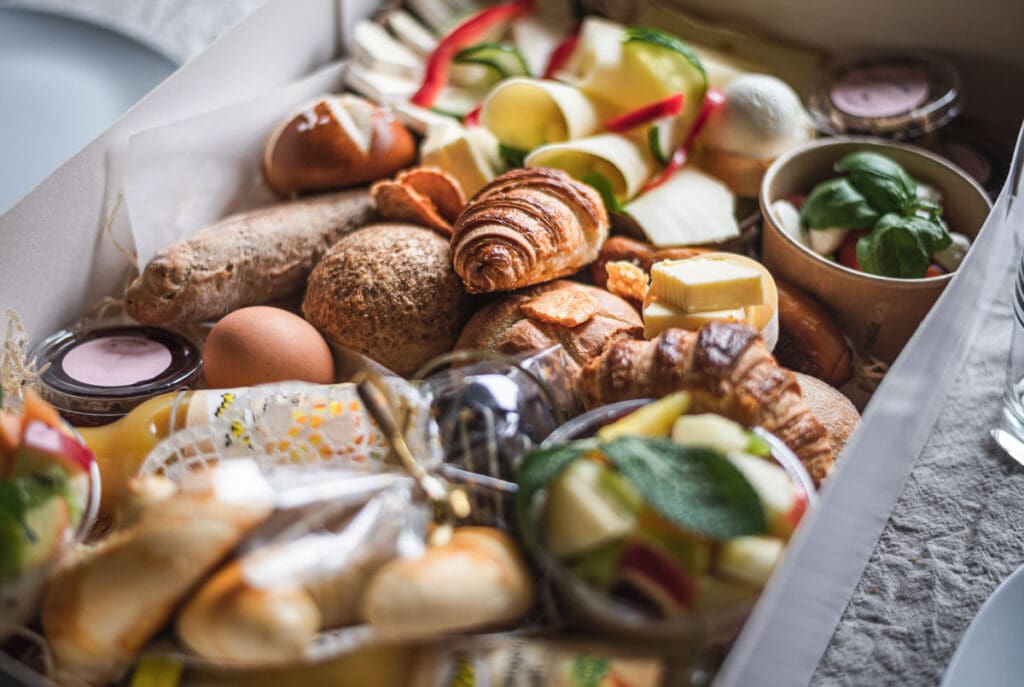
(724, 361)
(526, 227)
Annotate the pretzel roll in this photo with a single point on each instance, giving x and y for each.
(526, 227)
(334, 142)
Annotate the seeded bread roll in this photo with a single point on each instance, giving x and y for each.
(831, 408)
(389, 291)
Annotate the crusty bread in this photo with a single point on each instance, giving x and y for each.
(335, 142)
(477, 580)
(810, 339)
(831, 408)
(504, 326)
(388, 291)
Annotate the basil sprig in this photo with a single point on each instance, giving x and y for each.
(901, 246)
(878, 193)
(694, 488)
(603, 185)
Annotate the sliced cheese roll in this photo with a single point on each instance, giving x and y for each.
(623, 161)
(525, 113)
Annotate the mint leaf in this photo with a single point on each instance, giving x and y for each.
(696, 488)
(837, 204)
(603, 186)
(513, 157)
(639, 34)
(885, 184)
(538, 469)
(901, 247)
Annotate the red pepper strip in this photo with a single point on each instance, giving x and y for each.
(472, 117)
(561, 54)
(467, 33)
(713, 100)
(669, 107)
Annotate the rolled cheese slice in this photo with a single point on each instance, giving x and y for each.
(525, 113)
(623, 161)
(733, 301)
(691, 208)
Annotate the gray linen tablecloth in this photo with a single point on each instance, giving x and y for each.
(957, 530)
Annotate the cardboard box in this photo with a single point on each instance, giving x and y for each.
(58, 257)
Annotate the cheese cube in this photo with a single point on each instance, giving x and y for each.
(706, 283)
(659, 317)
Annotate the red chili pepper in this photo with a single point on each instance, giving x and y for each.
(467, 33)
(669, 107)
(713, 100)
(472, 117)
(561, 54)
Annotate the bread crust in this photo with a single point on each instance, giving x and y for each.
(389, 292)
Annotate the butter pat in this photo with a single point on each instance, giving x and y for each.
(706, 283)
(659, 317)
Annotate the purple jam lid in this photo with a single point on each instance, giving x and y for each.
(894, 96)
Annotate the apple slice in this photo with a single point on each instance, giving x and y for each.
(653, 420)
(43, 446)
(710, 431)
(784, 502)
(48, 524)
(10, 437)
(658, 577)
(588, 505)
(749, 560)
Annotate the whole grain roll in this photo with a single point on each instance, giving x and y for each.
(831, 408)
(388, 291)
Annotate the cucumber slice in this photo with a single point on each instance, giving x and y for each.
(458, 102)
(638, 36)
(504, 59)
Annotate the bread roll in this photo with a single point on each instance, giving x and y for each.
(246, 259)
(831, 408)
(107, 602)
(810, 339)
(388, 291)
(548, 314)
(526, 227)
(335, 142)
(477, 580)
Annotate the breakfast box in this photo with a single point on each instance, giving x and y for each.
(63, 244)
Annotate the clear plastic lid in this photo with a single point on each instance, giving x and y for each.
(894, 96)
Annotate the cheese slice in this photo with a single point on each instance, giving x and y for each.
(707, 282)
(689, 209)
(659, 317)
(525, 113)
(467, 154)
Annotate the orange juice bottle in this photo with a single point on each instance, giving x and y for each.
(287, 414)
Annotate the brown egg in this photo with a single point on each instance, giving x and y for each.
(260, 344)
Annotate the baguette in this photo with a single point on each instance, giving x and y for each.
(526, 227)
(110, 599)
(477, 580)
(730, 365)
(246, 259)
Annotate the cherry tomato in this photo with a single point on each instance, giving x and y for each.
(848, 250)
(934, 271)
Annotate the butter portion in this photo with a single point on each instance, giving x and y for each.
(658, 317)
(706, 283)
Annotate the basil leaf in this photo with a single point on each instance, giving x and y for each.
(881, 180)
(696, 488)
(901, 247)
(837, 204)
(663, 40)
(603, 186)
(513, 157)
(538, 469)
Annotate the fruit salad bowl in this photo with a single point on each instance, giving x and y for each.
(621, 561)
(49, 501)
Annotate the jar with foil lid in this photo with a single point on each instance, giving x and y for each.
(96, 375)
(896, 96)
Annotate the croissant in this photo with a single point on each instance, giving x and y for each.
(526, 227)
(727, 361)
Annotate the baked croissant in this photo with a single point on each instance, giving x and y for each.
(526, 227)
(727, 361)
